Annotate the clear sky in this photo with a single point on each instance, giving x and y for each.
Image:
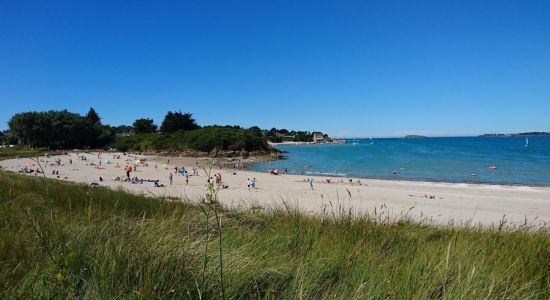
(349, 68)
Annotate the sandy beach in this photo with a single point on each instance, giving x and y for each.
(440, 203)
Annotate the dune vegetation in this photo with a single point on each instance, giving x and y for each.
(206, 139)
(13, 152)
(65, 240)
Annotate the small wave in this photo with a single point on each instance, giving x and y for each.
(327, 174)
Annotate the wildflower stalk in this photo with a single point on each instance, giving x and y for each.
(219, 222)
(209, 204)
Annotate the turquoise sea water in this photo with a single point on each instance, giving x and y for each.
(453, 159)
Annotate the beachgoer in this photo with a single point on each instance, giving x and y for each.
(394, 173)
(248, 183)
(170, 177)
(186, 179)
(311, 183)
(254, 182)
(128, 169)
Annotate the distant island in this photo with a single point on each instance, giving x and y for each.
(534, 133)
(414, 136)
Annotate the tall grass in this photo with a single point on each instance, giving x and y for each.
(119, 245)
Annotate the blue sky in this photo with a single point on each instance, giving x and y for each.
(349, 68)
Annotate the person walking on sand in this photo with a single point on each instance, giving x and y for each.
(254, 182)
(187, 178)
(128, 169)
(248, 183)
(311, 183)
(171, 178)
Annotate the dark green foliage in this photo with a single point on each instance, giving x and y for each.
(123, 129)
(206, 139)
(144, 126)
(93, 117)
(282, 135)
(174, 121)
(120, 246)
(60, 129)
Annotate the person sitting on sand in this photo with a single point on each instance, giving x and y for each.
(157, 184)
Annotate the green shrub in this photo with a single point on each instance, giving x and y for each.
(205, 139)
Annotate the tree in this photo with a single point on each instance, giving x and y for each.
(255, 131)
(144, 126)
(123, 129)
(93, 117)
(174, 121)
(22, 126)
(60, 129)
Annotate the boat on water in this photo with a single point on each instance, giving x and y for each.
(526, 142)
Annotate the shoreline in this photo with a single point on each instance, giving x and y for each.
(398, 178)
(411, 180)
(441, 203)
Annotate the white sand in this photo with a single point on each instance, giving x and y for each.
(459, 203)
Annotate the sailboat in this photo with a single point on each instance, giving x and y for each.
(526, 142)
(371, 142)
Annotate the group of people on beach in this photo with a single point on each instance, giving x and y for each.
(251, 183)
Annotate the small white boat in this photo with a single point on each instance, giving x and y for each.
(526, 142)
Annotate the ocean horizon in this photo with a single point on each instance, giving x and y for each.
(505, 160)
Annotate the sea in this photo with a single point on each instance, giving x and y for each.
(495, 160)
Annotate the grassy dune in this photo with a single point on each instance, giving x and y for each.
(110, 244)
(6, 153)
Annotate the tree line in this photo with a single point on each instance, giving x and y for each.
(66, 130)
(60, 129)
